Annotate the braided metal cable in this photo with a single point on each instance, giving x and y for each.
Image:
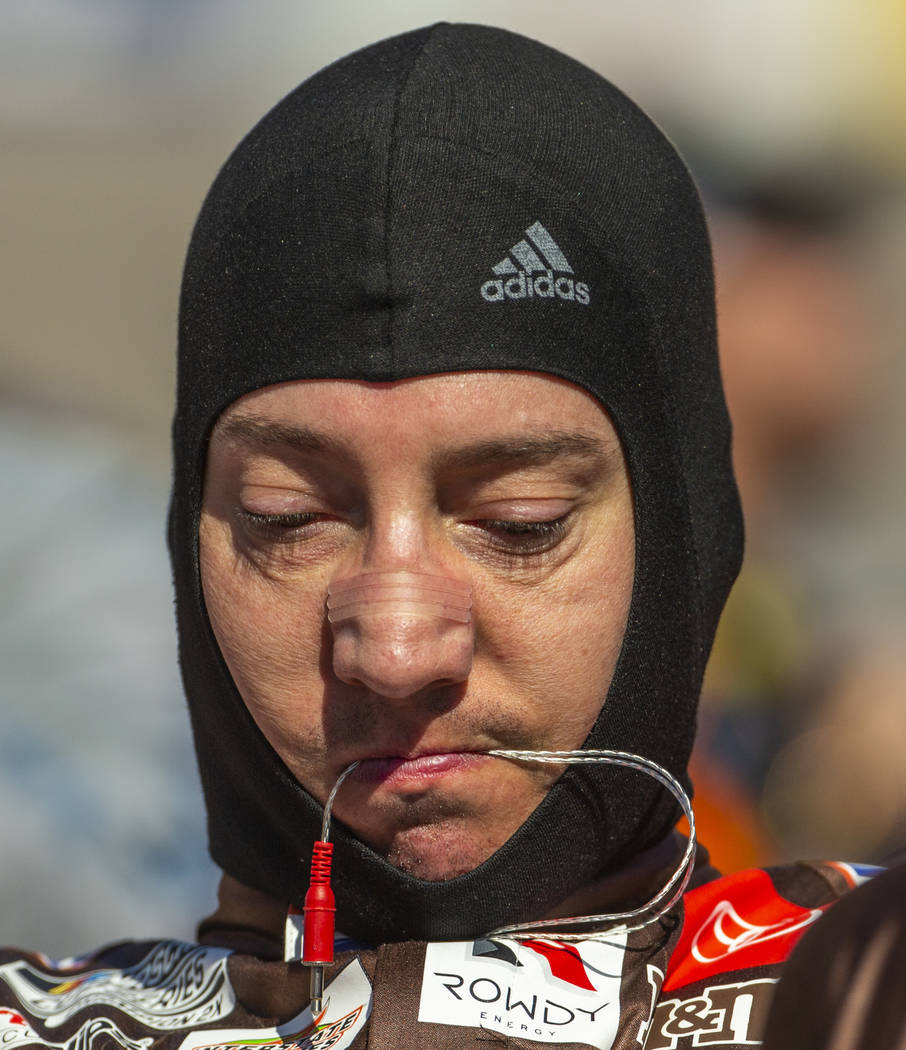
(618, 922)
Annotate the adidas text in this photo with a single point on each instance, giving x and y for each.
(544, 286)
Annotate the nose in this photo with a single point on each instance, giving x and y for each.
(397, 632)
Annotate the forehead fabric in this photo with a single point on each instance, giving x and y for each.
(463, 198)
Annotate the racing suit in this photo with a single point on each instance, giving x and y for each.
(703, 975)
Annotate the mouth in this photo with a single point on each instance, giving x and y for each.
(396, 770)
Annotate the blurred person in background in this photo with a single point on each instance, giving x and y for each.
(844, 987)
(803, 354)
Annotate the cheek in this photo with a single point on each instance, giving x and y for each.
(558, 644)
(270, 639)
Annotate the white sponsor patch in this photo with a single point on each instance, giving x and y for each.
(15, 1032)
(545, 990)
(176, 985)
(347, 1007)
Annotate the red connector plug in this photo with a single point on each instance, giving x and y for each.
(318, 921)
(319, 909)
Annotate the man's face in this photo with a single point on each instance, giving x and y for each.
(514, 483)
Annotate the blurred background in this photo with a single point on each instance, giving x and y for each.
(114, 117)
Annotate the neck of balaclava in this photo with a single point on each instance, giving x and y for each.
(252, 922)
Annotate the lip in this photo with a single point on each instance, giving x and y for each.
(421, 769)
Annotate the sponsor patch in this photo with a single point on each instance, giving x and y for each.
(347, 1007)
(724, 1015)
(543, 990)
(176, 985)
(734, 923)
(16, 1032)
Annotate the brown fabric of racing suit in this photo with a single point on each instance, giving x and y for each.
(703, 975)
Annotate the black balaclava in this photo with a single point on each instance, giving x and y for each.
(462, 198)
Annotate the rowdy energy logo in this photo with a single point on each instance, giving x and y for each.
(542, 990)
(539, 258)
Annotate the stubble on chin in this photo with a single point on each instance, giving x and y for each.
(438, 852)
(437, 838)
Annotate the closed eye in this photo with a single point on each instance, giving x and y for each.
(276, 526)
(523, 537)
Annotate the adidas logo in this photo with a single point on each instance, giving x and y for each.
(538, 253)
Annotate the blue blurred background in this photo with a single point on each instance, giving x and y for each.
(114, 117)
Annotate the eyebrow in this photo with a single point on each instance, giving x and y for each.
(267, 433)
(531, 450)
(524, 449)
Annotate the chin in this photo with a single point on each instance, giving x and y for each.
(437, 854)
